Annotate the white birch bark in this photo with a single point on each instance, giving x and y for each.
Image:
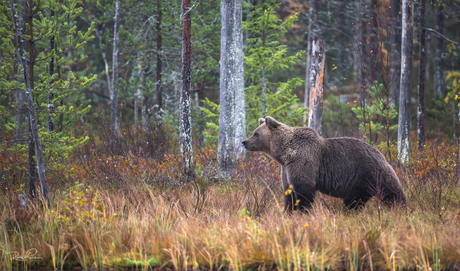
(185, 101)
(232, 116)
(114, 128)
(406, 81)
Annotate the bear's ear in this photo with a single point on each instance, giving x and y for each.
(272, 123)
(261, 121)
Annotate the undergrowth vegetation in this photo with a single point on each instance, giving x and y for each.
(133, 209)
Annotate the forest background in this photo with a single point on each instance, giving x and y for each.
(93, 58)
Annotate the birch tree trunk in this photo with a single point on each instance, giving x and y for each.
(406, 81)
(421, 80)
(232, 118)
(114, 128)
(185, 101)
(439, 88)
(159, 65)
(315, 112)
(28, 81)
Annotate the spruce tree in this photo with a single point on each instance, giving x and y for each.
(27, 70)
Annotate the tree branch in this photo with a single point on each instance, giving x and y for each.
(442, 36)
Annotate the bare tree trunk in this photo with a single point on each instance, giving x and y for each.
(185, 102)
(315, 113)
(240, 106)
(159, 65)
(406, 81)
(31, 163)
(395, 58)
(28, 81)
(421, 80)
(232, 105)
(439, 88)
(312, 20)
(114, 128)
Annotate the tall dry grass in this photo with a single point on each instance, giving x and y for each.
(132, 211)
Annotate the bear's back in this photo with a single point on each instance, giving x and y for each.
(347, 164)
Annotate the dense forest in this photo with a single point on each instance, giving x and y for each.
(121, 125)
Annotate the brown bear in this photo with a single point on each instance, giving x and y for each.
(346, 168)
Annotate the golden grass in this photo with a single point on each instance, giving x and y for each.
(158, 230)
(235, 224)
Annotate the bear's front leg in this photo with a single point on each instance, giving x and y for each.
(289, 197)
(303, 188)
(304, 197)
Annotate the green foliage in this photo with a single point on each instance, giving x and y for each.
(338, 119)
(453, 78)
(64, 85)
(265, 52)
(211, 111)
(205, 42)
(377, 110)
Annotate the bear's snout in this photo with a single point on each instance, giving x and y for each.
(244, 143)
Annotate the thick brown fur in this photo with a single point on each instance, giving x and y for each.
(346, 168)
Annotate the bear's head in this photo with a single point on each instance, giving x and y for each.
(268, 136)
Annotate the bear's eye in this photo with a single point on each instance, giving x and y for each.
(256, 135)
